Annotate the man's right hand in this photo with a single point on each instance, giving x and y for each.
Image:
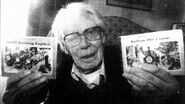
(23, 85)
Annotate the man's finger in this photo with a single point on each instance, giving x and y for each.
(139, 82)
(32, 77)
(147, 67)
(153, 69)
(17, 77)
(31, 86)
(14, 89)
(11, 98)
(40, 87)
(148, 77)
(134, 86)
(14, 94)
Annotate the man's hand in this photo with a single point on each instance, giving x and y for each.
(152, 81)
(22, 85)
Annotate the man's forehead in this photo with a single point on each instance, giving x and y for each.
(79, 25)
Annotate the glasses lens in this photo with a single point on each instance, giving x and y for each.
(93, 33)
(72, 39)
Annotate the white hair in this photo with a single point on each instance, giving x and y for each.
(69, 15)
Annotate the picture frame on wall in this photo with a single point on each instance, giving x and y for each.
(133, 4)
(179, 25)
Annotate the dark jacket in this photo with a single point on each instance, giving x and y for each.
(115, 90)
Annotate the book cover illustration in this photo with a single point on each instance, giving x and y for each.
(29, 53)
(164, 49)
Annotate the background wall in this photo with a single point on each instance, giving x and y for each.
(39, 16)
(163, 14)
(161, 17)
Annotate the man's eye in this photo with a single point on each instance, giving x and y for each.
(89, 35)
(96, 33)
(71, 37)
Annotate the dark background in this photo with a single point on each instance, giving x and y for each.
(41, 17)
(161, 17)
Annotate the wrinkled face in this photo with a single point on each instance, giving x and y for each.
(88, 54)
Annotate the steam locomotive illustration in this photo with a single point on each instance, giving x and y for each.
(27, 58)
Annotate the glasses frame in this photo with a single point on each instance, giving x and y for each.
(101, 33)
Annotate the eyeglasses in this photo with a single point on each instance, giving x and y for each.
(92, 34)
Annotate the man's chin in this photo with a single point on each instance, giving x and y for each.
(90, 67)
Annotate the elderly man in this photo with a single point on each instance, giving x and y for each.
(89, 73)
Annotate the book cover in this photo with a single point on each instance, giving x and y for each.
(164, 49)
(29, 53)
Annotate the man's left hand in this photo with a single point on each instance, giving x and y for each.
(151, 81)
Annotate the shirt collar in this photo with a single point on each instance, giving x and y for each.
(89, 79)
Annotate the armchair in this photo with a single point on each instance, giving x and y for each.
(118, 26)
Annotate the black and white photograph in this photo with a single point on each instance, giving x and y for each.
(92, 52)
(133, 4)
(179, 26)
(24, 59)
(158, 48)
(164, 54)
(27, 53)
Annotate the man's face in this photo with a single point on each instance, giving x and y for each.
(87, 55)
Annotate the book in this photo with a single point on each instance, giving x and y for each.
(164, 49)
(29, 53)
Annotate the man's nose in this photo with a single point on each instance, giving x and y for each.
(84, 44)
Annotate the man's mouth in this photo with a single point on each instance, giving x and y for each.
(88, 57)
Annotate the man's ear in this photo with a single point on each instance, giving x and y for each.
(65, 49)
